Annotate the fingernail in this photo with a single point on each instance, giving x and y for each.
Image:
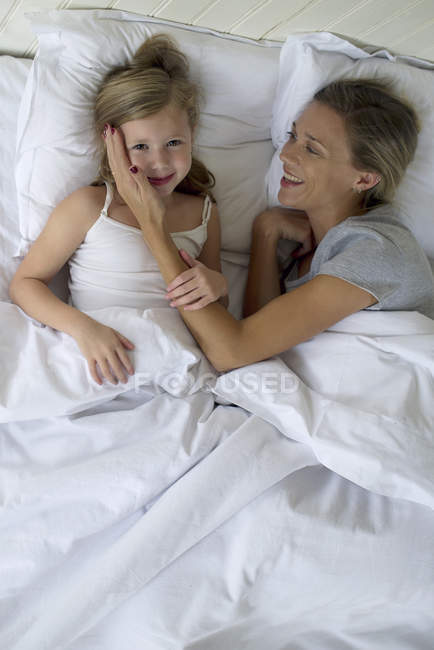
(133, 169)
(113, 130)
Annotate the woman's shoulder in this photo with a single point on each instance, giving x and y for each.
(381, 225)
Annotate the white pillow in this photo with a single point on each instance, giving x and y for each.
(310, 61)
(56, 147)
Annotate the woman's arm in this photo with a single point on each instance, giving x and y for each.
(228, 343)
(282, 323)
(263, 282)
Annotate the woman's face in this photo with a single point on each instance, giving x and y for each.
(160, 146)
(317, 168)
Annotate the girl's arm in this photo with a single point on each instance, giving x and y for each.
(228, 343)
(63, 234)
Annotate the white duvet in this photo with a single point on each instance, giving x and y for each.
(282, 505)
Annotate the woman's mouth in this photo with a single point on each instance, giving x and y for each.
(160, 180)
(289, 180)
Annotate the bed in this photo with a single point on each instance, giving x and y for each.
(285, 505)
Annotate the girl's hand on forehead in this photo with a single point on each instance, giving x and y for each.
(132, 185)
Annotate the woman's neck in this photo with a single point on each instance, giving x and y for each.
(326, 217)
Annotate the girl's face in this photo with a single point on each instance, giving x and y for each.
(318, 174)
(160, 146)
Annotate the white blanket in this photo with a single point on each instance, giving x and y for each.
(108, 491)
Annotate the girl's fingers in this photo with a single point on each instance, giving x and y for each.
(123, 356)
(93, 372)
(183, 277)
(186, 299)
(182, 289)
(117, 368)
(106, 371)
(126, 342)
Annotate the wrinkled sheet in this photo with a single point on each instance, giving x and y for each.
(287, 504)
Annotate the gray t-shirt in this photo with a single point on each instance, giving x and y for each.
(375, 252)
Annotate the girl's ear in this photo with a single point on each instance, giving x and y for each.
(365, 181)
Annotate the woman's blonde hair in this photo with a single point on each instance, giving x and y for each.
(382, 129)
(158, 75)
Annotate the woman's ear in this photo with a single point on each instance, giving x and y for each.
(366, 181)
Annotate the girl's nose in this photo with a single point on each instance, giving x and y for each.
(159, 159)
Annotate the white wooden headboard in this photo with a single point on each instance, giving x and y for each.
(403, 26)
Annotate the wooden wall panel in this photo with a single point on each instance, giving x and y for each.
(405, 26)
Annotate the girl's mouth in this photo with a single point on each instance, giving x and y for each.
(161, 181)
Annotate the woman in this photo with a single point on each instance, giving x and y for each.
(344, 158)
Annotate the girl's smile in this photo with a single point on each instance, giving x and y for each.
(160, 181)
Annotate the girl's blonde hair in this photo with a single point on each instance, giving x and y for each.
(157, 76)
(382, 130)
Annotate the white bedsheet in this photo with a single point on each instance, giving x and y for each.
(107, 509)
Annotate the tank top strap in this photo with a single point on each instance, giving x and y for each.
(206, 210)
(108, 198)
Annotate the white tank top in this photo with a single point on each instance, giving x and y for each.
(113, 266)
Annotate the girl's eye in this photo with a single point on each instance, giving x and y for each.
(174, 143)
(291, 135)
(140, 147)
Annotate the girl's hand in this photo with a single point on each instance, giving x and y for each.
(284, 223)
(196, 287)
(105, 348)
(132, 184)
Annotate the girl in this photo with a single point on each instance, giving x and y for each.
(344, 158)
(154, 106)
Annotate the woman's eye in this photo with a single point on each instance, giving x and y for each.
(291, 135)
(174, 143)
(310, 150)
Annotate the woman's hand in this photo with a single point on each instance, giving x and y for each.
(132, 184)
(196, 287)
(284, 223)
(105, 348)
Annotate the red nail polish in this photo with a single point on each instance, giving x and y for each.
(113, 130)
(133, 169)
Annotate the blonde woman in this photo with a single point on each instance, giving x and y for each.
(154, 107)
(344, 158)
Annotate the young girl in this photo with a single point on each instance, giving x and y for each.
(154, 105)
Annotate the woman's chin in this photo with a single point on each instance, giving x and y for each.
(287, 200)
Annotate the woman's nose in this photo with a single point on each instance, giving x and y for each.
(288, 152)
